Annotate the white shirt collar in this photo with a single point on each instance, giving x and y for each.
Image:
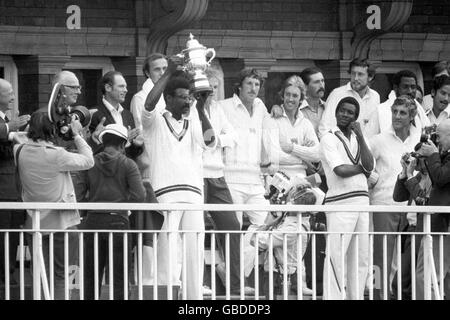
(111, 108)
(299, 114)
(2, 115)
(305, 104)
(446, 110)
(368, 93)
(147, 86)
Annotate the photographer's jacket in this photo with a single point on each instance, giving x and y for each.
(45, 175)
(439, 170)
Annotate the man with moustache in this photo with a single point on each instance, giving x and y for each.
(313, 106)
(9, 219)
(404, 83)
(439, 69)
(361, 73)
(441, 97)
(177, 135)
(347, 162)
(114, 90)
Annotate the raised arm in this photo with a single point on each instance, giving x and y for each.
(158, 89)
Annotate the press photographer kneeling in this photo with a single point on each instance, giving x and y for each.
(284, 225)
(437, 161)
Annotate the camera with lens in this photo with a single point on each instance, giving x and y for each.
(280, 185)
(61, 114)
(429, 133)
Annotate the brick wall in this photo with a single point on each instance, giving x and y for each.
(52, 13)
(286, 15)
(429, 16)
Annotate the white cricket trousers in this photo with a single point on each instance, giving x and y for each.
(195, 247)
(249, 194)
(345, 277)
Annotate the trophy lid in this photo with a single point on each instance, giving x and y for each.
(193, 43)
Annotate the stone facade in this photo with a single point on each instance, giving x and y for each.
(277, 37)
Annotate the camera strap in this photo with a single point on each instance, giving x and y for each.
(354, 160)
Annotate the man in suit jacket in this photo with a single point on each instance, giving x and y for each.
(438, 166)
(114, 90)
(9, 219)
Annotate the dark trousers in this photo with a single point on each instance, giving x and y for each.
(216, 191)
(11, 219)
(58, 258)
(96, 221)
(385, 222)
(406, 265)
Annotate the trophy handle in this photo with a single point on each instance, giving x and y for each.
(213, 55)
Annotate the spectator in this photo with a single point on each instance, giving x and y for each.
(246, 113)
(114, 178)
(44, 171)
(9, 219)
(439, 69)
(347, 162)
(404, 83)
(361, 73)
(441, 97)
(438, 165)
(176, 136)
(114, 90)
(387, 149)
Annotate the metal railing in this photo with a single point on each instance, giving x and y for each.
(43, 282)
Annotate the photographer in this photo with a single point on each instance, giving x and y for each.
(44, 170)
(281, 223)
(413, 185)
(438, 165)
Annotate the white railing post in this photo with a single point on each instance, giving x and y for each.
(37, 246)
(427, 255)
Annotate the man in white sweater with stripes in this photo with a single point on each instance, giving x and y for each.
(177, 137)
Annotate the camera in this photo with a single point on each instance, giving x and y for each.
(61, 114)
(280, 185)
(429, 133)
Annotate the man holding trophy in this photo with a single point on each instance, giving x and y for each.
(176, 136)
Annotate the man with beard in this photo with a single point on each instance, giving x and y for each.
(441, 95)
(404, 83)
(347, 162)
(177, 135)
(361, 73)
(313, 106)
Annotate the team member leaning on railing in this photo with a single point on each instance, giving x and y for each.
(44, 171)
(438, 165)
